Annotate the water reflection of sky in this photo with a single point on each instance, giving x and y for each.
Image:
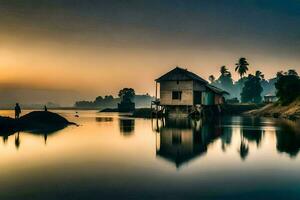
(229, 157)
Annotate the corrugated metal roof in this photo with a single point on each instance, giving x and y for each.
(180, 74)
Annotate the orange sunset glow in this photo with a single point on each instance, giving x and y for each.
(149, 99)
(92, 53)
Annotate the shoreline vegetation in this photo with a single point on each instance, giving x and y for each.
(276, 110)
(273, 110)
(227, 109)
(250, 95)
(246, 96)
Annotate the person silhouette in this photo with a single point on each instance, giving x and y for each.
(17, 140)
(45, 108)
(17, 111)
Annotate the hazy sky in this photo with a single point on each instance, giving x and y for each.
(98, 47)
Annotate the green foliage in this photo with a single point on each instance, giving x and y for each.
(99, 99)
(259, 75)
(292, 72)
(240, 83)
(211, 78)
(251, 92)
(225, 80)
(253, 87)
(242, 66)
(224, 71)
(108, 98)
(288, 87)
(127, 94)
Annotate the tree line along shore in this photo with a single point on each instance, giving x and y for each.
(246, 94)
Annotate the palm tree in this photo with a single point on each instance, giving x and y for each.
(259, 74)
(242, 67)
(279, 74)
(211, 78)
(292, 72)
(224, 71)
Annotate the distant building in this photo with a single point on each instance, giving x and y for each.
(181, 91)
(270, 98)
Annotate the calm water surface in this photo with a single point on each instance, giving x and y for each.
(112, 157)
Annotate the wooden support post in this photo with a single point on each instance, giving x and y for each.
(156, 98)
(155, 90)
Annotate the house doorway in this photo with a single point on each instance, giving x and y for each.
(197, 97)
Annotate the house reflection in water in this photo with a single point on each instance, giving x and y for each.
(126, 126)
(250, 131)
(104, 119)
(181, 140)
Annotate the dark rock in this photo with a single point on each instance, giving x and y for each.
(36, 121)
(7, 123)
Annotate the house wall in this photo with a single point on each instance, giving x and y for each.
(208, 98)
(187, 88)
(187, 99)
(167, 87)
(219, 99)
(198, 87)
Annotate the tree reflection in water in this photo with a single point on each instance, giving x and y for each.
(288, 138)
(251, 131)
(126, 126)
(244, 148)
(104, 119)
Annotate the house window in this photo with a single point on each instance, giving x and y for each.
(176, 95)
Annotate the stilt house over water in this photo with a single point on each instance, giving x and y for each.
(182, 91)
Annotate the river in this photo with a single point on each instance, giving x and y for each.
(110, 156)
